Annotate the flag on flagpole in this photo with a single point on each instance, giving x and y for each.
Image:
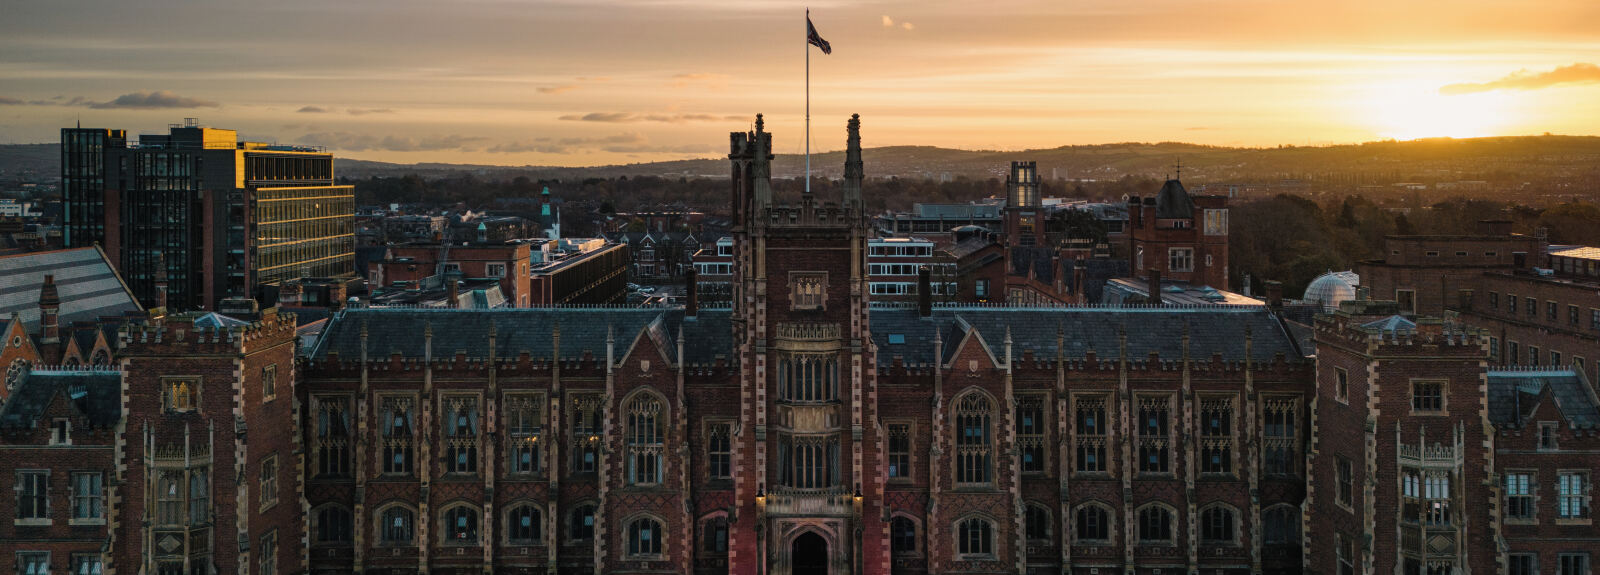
(815, 39)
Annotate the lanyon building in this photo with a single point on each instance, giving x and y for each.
(218, 216)
(802, 430)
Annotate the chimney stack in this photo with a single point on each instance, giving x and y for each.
(691, 302)
(453, 289)
(1155, 286)
(924, 291)
(49, 308)
(1079, 274)
(1274, 294)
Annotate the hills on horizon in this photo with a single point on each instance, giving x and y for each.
(1437, 159)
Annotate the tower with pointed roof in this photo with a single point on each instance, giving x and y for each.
(1179, 237)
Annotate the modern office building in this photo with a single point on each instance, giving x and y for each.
(223, 217)
(83, 183)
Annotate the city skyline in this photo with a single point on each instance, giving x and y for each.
(587, 83)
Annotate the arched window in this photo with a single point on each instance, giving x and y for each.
(581, 526)
(199, 497)
(1155, 525)
(644, 536)
(396, 526)
(903, 536)
(1217, 525)
(645, 441)
(974, 538)
(1036, 520)
(1281, 525)
(333, 524)
(714, 535)
(524, 525)
(1092, 524)
(974, 443)
(460, 526)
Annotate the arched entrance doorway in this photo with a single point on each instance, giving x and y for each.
(809, 555)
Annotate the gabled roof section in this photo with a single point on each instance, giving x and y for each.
(88, 286)
(655, 332)
(1516, 394)
(96, 395)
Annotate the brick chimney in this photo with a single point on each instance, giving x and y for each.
(691, 291)
(49, 311)
(1079, 275)
(1155, 286)
(1274, 294)
(453, 291)
(924, 291)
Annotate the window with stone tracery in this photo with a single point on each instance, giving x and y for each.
(587, 411)
(1280, 452)
(1090, 435)
(1436, 497)
(524, 425)
(808, 290)
(460, 432)
(397, 431)
(1154, 439)
(809, 461)
(646, 443)
(1031, 433)
(808, 377)
(974, 440)
(1216, 435)
(331, 449)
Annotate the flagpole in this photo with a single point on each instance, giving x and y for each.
(808, 100)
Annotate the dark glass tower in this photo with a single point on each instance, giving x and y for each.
(83, 183)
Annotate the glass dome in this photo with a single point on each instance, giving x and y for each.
(1332, 288)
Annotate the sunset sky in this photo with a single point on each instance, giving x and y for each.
(582, 82)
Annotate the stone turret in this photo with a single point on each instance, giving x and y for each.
(853, 170)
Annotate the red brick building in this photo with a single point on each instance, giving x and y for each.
(173, 461)
(1425, 462)
(808, 431)
(1183, 237)
(406, 265)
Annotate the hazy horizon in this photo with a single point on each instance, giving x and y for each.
(581, 83)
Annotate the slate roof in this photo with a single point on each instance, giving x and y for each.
(523, 329)
(1037, 259)
(897, 332)
(1513, 395)
(88, 285)
(1211, 330)
(1173, 202)
(1096, 273)
(1393, 323)
(98, 395)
